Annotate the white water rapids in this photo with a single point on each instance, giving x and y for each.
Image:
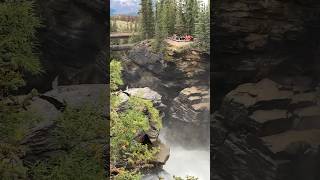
(183, 162)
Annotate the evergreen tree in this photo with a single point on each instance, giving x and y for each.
(147, 19)
(18, 24)
(162, 25)
(157, 27)
(202, 28)
(165, 8)
(150, 19)
(17, 36)
(172, 11)
(191, 13)
(179, 20)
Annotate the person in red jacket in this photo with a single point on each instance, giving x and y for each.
(188, 38)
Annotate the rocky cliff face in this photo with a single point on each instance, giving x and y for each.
(266, 76)
(72, 42)
(267, 126)
(181, 77)
(40, 140)
(259, 39)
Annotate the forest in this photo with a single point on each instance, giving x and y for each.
(164, 18)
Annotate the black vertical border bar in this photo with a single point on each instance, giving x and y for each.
(212, 23)
(107, 74)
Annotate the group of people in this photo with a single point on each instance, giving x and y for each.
(182, 38)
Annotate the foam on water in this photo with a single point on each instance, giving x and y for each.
(184, 162)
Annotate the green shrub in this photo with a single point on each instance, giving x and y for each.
(126, 153)
(78, 132)
(77, 165)
(115, 75)
(126, 175)
(18, 24)
(81, 125)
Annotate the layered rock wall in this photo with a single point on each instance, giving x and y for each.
(265, 80)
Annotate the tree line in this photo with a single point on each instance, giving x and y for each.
(122, 23)
(168, 17)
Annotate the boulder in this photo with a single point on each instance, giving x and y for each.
(308, 117)
(302, 100)
(163, 155)
(261, 107)
(40, 140)
(281, 142)
(265, 94)
(272, 121)
(145, 93)
(242, 158)
(45, 110)
(192, 105)
(78, 95)
(142, 55)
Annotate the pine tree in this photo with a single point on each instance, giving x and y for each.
(179, 20)
(202, 28)
(162, 25)
(150, 19)
(17, 36)
(18, 24)
(157, 27)
(207, 28)
(163, 18)
(147, 19)
(172, 11)
(191, 13)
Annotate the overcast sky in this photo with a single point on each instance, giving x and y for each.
(127, 7)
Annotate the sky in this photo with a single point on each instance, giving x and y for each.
(127, 7)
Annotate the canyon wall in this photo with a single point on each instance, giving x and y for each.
(265, 88)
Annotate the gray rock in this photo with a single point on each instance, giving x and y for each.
(40, 140)
(242, 158)
(145, 93)
(280, 142)
(272, 121)
(303, 100)
(40, 143)
(43, 109)
(308, 117)
(78, 95)
(192, 105)
(64, 40)
(163, 155)
(260, 94)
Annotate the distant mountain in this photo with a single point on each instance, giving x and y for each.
(128, 7)
(124, 7)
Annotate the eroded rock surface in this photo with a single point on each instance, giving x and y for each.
(73, 43)
(40, 140)
(273, 120)
(192, 105)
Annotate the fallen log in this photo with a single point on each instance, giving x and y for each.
(120, 35)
